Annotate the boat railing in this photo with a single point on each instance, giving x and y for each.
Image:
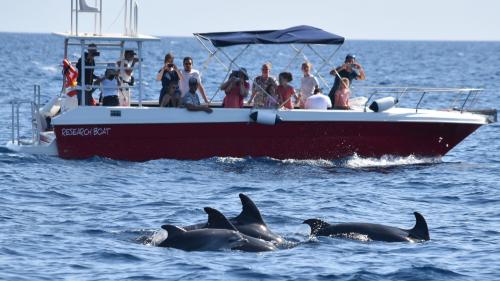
(34, 104)
(465, 98)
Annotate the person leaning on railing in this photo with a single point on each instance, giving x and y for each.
(191, 101)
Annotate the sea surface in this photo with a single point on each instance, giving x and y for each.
(89, 219)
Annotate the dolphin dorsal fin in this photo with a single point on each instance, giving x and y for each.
(316, 225)
(172, 229)
(249, 212)
(420, 230)
(217, 220)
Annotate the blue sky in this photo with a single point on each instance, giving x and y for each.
(360, 19)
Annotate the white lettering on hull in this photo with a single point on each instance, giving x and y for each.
(85, 132)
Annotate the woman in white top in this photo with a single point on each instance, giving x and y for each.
(308, 84)
(109, 87)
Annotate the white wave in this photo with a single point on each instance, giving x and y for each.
(310, 162)
(50, 69)
(229, 160)
(387, 161)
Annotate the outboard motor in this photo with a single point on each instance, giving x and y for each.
(383, 104)
(265, 117)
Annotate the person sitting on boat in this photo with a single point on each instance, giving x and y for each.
(308, 84)
(342, 95)
(172, 97)
(236, 89)
(89, 74)
(126, 67)
(191, 101)
(351, 70)
(264, 89)
(285, 91)
(109, 86)
(168, 74)
(318, 101)
(187, 73)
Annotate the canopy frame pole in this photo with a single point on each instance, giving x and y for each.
(326, 62)
(297, 53)
(306, 59)
(210, 53)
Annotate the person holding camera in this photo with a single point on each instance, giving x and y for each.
(89, 63)
(126, 67)
(236, 89)
(351, 70)
(109, 86)
(169, 74)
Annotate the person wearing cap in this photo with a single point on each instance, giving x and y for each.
(191, 101)
(351, 70)
(264, 88)
(109, 86)
(236, 89)
(89, 73)
(126, 67)
(187, 73)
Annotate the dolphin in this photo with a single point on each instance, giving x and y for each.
(376, 232)
(216, 220)
(248, 222)
(201, 239)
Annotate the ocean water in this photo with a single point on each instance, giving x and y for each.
(88, 220)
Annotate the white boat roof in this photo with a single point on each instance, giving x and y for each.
(106, 37)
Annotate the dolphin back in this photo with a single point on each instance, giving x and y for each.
(217, 220)
(420, 231)
(316, 225)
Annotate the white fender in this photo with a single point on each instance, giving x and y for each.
(265, 117)
(383, 104)
(51, 108)
(68, 103)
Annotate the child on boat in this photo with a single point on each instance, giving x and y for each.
(342, 95)
(285, 91)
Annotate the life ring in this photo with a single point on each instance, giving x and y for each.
(70, 74)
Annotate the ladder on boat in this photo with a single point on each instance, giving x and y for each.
(16, 104)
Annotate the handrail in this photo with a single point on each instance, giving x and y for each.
(423, 91)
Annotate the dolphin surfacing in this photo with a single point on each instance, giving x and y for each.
(248, 222)
(376, 232)
(201, 239)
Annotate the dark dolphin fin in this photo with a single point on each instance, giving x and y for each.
(420, 230)
(217, 220)
(316, 225)
(172, 229)
(249, 213)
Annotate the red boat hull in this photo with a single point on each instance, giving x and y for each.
(288, 140)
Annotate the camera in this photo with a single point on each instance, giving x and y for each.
(170, 65)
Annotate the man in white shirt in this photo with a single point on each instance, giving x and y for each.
(318, 101)
(187, 73)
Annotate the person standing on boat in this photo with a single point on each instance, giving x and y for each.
(187, 73)
(236, 89)
(342, 95)
(89, 74)
(191, 101)
(351, 70)
(169, 74)
(109, 86)
(264, 89)
(126, 66)
(308, 84)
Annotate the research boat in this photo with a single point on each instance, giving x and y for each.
(375, 126)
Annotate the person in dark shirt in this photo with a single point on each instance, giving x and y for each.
(168, 74)
(351, 70)
(89, 74)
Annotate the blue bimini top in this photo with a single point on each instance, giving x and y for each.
(302, 34)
